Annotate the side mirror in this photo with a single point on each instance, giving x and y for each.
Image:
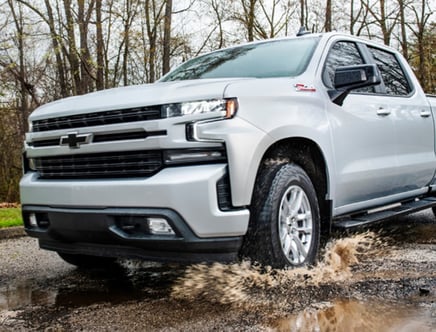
(351, 78)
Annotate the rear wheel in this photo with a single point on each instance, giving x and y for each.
(285, 220)
(88, 262)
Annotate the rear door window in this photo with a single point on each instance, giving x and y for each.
(394, 78)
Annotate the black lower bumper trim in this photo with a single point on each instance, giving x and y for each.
(182, 256)
(123, 232)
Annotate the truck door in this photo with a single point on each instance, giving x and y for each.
(413, 123)
(363, 136)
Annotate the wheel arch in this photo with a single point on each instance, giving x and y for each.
(308, 155)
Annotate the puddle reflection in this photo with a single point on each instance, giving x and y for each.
(350, 315)
(83, 288)
(19, 295)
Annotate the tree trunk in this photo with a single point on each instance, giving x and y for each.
(60, 65)
(404, 44)
(302, 14)
(249, 18)
(384, 24)
(167, 37)
(151, 25)
(20, 72)
(126, 43)
(100, 48)
(216, 8)
(84, 54)
(328, 16)
(72, 49)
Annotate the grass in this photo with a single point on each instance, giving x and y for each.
(10, 217)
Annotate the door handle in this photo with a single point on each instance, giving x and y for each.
(383, 112)
(425, 114)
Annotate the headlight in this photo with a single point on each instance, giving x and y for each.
(221, 107)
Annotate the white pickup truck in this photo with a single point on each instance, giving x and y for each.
(253, 151)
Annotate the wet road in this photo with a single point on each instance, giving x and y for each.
(391, 288)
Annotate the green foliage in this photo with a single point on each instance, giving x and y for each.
(10, 217)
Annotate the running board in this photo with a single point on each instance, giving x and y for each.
(382, 215)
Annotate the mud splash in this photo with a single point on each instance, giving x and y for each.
(249, 285)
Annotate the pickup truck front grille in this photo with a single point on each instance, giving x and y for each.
(100, 165)
(98, 118)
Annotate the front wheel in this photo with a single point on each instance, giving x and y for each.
(285, 221)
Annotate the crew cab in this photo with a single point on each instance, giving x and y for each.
(256, 150)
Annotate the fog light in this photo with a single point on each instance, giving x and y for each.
(159, 226)
(32, 220)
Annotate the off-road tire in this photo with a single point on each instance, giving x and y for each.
(269, 240)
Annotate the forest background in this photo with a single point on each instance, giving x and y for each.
(51, 49)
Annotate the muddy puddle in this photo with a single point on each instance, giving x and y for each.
(352, 315)
(22, 294)
(131, 281)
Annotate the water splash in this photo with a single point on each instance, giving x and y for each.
(248, 284)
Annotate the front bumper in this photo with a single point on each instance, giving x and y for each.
(124, 232)
(84, 215)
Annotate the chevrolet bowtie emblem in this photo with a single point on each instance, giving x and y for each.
(74, 140)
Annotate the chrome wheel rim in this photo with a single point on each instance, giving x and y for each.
(295, 225)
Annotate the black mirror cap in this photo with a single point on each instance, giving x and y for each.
(355, 77)
(351, 78)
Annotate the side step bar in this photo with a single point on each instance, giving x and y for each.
(382, 215)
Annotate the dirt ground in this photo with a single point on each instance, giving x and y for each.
(383, 279)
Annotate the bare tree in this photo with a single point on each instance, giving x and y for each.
(86, 62)
(13, 113)
(303, 13)
(167, 37)
(328, 16)
(403, 40)
(359, 19)
(277, 17)
(385, 18)
(72, 54)
(100, 82)
(154, 10)
(248, 17)
(421, 16)
(19, 72)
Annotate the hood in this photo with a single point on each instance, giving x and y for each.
(134, 96)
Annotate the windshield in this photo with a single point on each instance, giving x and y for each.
(279, 58)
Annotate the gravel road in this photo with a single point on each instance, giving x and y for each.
(384, 280)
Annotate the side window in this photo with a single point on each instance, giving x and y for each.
(341, 54)
(393, 76)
